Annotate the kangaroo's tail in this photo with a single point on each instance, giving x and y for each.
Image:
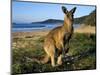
(41, 60)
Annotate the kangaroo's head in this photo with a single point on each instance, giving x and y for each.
(69, 15)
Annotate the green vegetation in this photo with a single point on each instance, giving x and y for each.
(82, 49)
(87, 20)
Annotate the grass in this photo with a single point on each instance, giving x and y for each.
(82, 46)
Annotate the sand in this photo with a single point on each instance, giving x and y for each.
(85, 29)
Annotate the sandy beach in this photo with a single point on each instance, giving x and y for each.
(81, 29)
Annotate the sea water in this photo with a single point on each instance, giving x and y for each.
(36, 27)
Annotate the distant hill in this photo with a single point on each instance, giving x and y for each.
(80, 20)
(13, 23)
(91, 19)
(88, 19)
(50, 21)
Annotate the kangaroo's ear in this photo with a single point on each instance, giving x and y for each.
(73, 10)
(64, 9)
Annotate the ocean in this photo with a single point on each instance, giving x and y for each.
(35, 27)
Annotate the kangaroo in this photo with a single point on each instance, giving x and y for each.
(56, 41)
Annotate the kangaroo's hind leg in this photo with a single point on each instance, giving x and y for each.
(50, 50)
(59, 61)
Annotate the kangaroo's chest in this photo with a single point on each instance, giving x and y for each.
(62, 38)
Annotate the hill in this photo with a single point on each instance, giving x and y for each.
(50, 21)
(87, 20)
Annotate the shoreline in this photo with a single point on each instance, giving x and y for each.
(81, 29)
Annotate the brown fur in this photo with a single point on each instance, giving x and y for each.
(57, 40)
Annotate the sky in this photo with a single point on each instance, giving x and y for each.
(27, 12)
